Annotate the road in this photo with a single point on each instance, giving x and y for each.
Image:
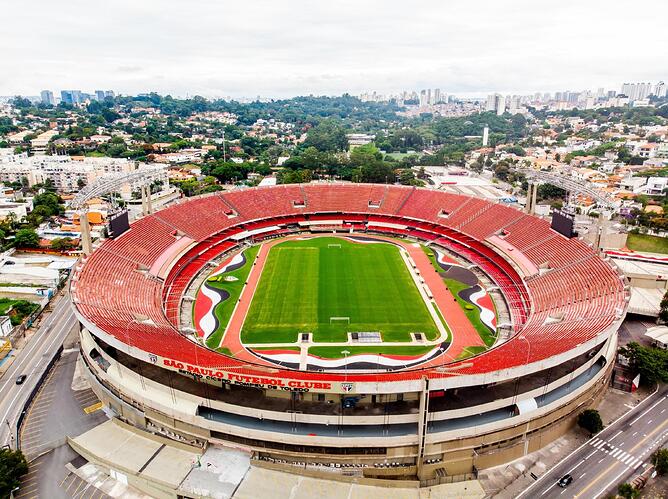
(616, 455)
(32, 360)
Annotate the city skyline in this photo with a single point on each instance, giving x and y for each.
(282, 50)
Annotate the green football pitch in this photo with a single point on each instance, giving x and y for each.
(305, 283)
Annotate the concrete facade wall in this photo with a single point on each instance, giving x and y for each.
(480, 446)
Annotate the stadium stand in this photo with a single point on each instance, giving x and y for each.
(575, 299)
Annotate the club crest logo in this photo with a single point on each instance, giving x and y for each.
(347, 387)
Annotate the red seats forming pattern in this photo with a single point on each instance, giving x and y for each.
(203, 216)
(575, 298)
(133, 245)
(266, 201)
(428, 204)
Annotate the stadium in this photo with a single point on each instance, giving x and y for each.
(375, 331)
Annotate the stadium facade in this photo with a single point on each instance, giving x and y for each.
(559, 305)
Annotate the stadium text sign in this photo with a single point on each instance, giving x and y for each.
(264, 382)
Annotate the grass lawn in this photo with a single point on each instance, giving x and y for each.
(644, 242)
(335, 352)
(304, 283)
(261, 349)
(402, 155)
(224, 309)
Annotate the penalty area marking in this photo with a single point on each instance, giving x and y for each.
(334, 246)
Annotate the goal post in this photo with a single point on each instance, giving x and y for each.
(345, 320)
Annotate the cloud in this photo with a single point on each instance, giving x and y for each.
(269, 48)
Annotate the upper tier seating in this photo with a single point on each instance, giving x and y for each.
(201, 218)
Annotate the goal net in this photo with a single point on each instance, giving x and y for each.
(345, 320)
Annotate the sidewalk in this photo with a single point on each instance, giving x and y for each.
(509, 480)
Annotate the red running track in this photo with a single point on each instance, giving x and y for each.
(463, 333)
(232, 337)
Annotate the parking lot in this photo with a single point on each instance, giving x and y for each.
(58, 411)
(49, 479)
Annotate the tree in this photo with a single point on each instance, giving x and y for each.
(501, 170)
(651, 363)
(407, 177)
(26, 238)
(50, 201)
(628, 491)
(328, 135)
(549, 191)
(13, 466)
(62, 244)
(365, 155)
(660, 461)
(516, 150)
(590, 420)
(21, 102)
(663, 310)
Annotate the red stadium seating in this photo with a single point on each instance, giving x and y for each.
(574, 298)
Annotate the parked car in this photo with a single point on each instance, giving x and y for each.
(21, 379)
(565, 480)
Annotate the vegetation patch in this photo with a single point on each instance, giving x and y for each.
(645, 242)
(225, 308)
(17, 310)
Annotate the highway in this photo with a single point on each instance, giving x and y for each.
(615, 455)
(32, 360)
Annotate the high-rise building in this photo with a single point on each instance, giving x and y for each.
(437, 95)
(71, 96)
(637, 91)
(644, 89)
(660, 89)
(485, 136)
(47, 97)
(491, 103)
(99, 95)
(514, 107)
(500, 104)
(496, 103)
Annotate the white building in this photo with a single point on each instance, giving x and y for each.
(40, 143)
(359, 139)
(656, 186)
(65, 172)
(633, 184)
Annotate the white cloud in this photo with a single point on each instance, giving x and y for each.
(290, 47)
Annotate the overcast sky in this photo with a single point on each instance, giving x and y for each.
(277, 48)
